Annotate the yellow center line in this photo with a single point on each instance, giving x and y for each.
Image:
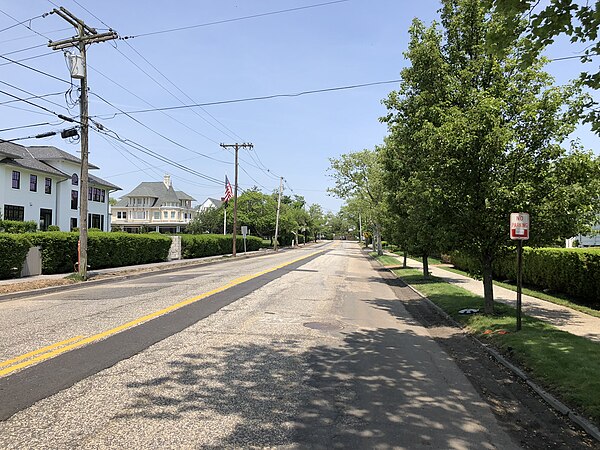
(9, 362)
(60, 347)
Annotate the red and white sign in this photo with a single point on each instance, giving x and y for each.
(519, 226)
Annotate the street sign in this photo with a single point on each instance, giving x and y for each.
(519, 226)
(244, 231)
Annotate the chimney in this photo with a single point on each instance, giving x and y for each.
(167, 181)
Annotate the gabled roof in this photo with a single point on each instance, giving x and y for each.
(156, 190)
(50, 153)
(214, 201)
(20, 156)
(100, 182)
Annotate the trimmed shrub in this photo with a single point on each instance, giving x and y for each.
(200, 245)
(53, 228)
(59, 250)
(13, 248)
(16, 226)
(571, 271)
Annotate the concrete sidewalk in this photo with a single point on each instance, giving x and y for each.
(566, 319)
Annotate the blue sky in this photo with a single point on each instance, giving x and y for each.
(345, 43)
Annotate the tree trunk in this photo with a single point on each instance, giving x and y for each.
(488, 286)
(404, 263)
(425, 266)
(378, 234)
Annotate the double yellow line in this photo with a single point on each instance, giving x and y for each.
(50, 351)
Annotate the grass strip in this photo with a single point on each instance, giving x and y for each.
(563, 363)
(557, 299)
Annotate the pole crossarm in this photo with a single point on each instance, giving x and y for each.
(85, 35)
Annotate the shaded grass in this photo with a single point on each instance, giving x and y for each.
(565, 364)
(557, 299)
(431, 259)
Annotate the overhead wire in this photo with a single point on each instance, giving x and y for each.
(159, 133)
(236, 19)
(250, 99)
(32, 98)
(33, 125)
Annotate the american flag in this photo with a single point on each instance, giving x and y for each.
(228, 190)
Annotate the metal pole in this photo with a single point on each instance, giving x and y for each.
(519, 281)
(359, 228)
(83, 191)
(225, 220)
(277, 217)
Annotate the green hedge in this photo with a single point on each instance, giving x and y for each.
(571, 271)
(199, 245)
(17, 226)
(59, 250)
(13, 248)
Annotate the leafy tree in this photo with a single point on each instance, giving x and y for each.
(579, 21)
(475, 136)
(209, 220)
(358, 175)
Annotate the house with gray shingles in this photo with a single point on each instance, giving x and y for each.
(154, 206)
(41, 183)
(210, 203)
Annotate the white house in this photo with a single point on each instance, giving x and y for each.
(155, 206)
(41, 183)
(210, 203)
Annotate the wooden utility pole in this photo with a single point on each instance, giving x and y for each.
(237, 147)
(278, 208)
(85, 35)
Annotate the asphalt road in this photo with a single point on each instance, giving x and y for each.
(303, 356)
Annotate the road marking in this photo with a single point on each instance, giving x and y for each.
(60, 347)
(10, 362)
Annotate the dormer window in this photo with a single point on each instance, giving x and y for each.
(75, 179)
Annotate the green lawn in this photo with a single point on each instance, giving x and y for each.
(558, 299)
(565, 364)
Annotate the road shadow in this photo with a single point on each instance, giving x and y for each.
(380, 388)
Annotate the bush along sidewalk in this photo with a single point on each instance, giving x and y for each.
(565, 364)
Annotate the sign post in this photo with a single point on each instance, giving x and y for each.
(244, 233)
(519, 231)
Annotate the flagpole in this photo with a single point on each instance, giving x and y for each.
(225, 219)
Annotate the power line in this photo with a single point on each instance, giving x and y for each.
(236, 19)
(158, 133)
(33, 125)
(158, 156)
(151, 105)
(28, 58)
(60, 116)
(25, 49)
(19, 23)
(250, 99)
(32, 98)
(34, 95)
(35, 70)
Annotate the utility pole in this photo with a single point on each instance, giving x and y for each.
(85, 35)
(237, 147)
(278, 207)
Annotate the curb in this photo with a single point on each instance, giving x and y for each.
(585, 424)
(185, 264)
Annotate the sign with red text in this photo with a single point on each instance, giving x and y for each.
(519, 226)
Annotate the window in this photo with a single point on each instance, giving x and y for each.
(48, 186)
(33, 183)
(16, 179)
(121, 215)
(45, 218)
(12, 212)
(140, 214)
(157, 215)
(166, 215)
(102, 195)
(172, 214)
(73, 223)
(96, 221)
(75, 180)
(90, 194)
(74, 199)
